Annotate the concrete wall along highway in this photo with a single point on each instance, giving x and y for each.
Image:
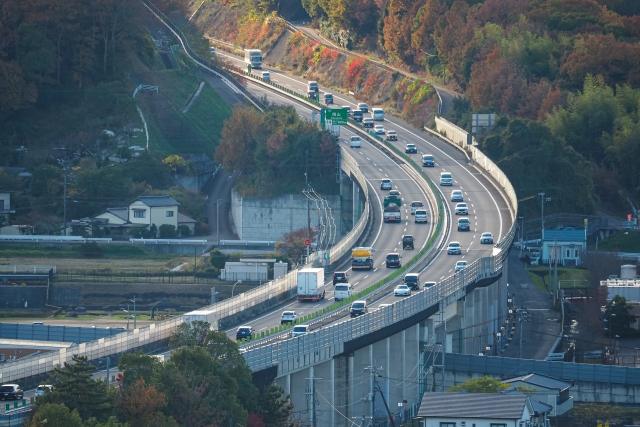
(271, 219)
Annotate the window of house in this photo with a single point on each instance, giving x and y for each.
(576, 252)
(447, 424)
(169, 213)
(139, 213)
(498, 425)
(568, 253)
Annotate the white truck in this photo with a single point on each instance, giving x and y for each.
(202, 315)
(311, 284)
(335, 131)
(253, 57)
(391, 213)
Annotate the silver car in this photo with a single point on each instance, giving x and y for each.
(402, 291)
(462, 209)
(461, 265)
(486, 238)
(454, 248)
(386, 184)
(456, 196)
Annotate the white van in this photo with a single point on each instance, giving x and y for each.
(446, 178)
(342, 291)
(415, 206)
(421, 216)
(554, 357)
(354, 142)
(377, 114)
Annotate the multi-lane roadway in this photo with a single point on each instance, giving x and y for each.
(488, 211)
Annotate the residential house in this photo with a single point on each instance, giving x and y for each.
(475, 410)
(563, 246)
(143, 212)
(5, 205)
(546, 389)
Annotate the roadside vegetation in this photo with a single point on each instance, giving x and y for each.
(274, 151)
(205, 382)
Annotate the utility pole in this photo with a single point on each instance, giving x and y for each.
(306, 181)
(373, 371)
(218, 220)
(64, 202)
(135, 314)
(311, 397)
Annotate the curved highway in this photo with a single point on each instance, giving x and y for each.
(488, 211)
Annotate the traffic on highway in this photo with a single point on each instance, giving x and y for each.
(487, 212)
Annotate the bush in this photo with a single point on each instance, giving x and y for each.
(91, 250)
(140, 233)
(185, 231)
(167, 231)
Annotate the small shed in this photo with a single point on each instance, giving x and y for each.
(563, 246)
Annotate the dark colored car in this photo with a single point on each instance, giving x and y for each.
(312, 95)
(244, 332)
(11, 391)
(407, 242)
(410, 149)
(412, 280)
(393, 260)
(463, 224)
(340, 277)
(358, 308)
(357, 115)
(328, 98)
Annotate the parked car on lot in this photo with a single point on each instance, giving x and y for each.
(288, 317)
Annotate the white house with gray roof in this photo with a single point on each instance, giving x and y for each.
(551, 391)
(143, 212)
(475, 410)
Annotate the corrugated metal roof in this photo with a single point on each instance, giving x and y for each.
(157, 201)
(472, 405)
(541, 381)
(565, 235)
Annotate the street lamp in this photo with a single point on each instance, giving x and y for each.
(234, 286)
(135, 316)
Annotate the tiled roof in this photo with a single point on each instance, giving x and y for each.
(122, 213)
(565, 235)
(539, 407)
(472, 405)
(184, 219)
(157, 201)
(541, 381)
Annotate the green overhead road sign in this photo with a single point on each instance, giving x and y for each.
(336, 116)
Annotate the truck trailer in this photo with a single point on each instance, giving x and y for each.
(202, 315)
(253, 57)
(311, 284)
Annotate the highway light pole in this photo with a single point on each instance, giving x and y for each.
(234, 286)
(218, 220)
(135, 316)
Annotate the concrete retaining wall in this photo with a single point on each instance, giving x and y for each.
(271, 219)
(15, 297)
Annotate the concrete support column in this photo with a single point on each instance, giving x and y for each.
(311, 397)
(325, 385)
(356, 204)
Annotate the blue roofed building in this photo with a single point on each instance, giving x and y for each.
(563, 246)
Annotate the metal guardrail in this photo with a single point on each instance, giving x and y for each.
(46, 238)
(223, 74)
(31, 269)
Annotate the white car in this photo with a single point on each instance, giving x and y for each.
(461, 265)
(299, 330)
(212, 50)
(384, 306)
(486, 238)
(354, 142)
(288, 317)
(402, 291)
(454, 248)
(266, 76)
(367, 122)
(456, 196)
(379, 129)
(392, 135)
(386, 184)
(462, 209)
